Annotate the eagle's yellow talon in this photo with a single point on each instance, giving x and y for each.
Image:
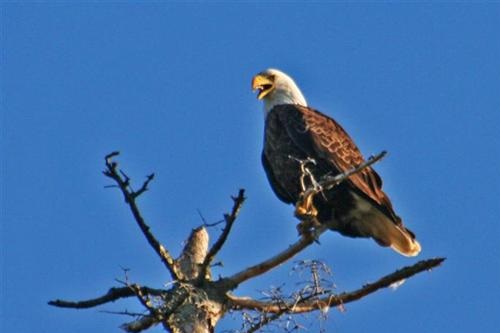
(304, 208)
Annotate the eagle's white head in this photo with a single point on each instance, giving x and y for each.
(275, 88)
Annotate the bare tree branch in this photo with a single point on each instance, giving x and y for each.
(229, 219)
(256, 270)
(123, 182)
(335, 300)
(112, 295)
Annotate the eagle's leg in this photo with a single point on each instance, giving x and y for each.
(304, 171)
(304, 207)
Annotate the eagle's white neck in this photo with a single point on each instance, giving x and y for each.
(284, 98)
(285, 92)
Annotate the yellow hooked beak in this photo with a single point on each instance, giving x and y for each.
(263, 83)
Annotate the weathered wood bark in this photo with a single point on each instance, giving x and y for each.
(198, 310)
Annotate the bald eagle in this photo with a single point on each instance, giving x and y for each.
(295, 133)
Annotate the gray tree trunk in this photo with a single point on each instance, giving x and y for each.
(199, 310)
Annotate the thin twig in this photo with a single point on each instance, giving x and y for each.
(123, 182)
(123, 313)
(144, 186)
(208, 224)
(112, 295)
(229, 219)
(268, 319)
(285, 308)
(333, 300)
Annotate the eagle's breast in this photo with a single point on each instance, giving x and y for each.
(280, 156)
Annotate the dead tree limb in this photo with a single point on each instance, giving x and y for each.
(262, 267)
(229, 220)
(333, 300)
(112, 295)
(123, 182)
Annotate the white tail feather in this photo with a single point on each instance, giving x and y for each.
(385, 232)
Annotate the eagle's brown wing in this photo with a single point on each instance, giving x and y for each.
(320, 136)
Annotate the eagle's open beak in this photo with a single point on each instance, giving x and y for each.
(263, 84)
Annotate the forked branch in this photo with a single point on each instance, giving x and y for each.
(229, 219)
(123, 183)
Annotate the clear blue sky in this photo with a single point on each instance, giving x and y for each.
(169, 86)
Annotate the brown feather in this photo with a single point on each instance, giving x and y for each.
(302, 132)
